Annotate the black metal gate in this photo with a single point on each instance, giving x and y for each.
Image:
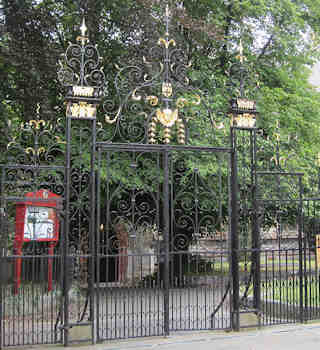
(162, 245)
(31, 263)
(288, 271)
(129, 238)
(278, 225)
(281, 240)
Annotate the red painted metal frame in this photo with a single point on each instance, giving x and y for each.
(41, 198)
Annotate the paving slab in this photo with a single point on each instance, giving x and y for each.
(292, 337)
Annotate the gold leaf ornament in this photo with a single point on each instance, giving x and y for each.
(166, 43)
(112, 121)
(41, 150)
(181, 102)
(30, 150)
(37, 123)
(152, 100)
(166, 89)
(134, 96)
(167, 117)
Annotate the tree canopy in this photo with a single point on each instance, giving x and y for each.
(280, 40)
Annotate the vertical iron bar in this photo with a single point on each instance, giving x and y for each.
(274, 285)
(65, 237)
(97, 249)
(166, 234)
(1, 298)
(2, 259)
(255, 228)
(305, 279)
(107, 248)
(92, 231)
(300, 252)
(234, 234)
(2, 229)
(287, 288)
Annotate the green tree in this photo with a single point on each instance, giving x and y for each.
(280, 40)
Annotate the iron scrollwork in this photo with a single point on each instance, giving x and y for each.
(154, 96)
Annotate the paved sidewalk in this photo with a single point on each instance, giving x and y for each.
(292, 337)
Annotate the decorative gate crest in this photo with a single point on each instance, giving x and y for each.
(152, 95)
(81, 74)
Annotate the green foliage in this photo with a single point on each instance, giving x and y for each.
(280, 40)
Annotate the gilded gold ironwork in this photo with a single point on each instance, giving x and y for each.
(152, 100)
(243, 103)
(83, 28)
(37, 124)
(81, 72)
(167, 135)
(166, 89)
(83, 91)
(243, 109)
(245, 120)
(152, 130)
(32, 151)
(181, 131)
(83, 38)
(166, 43)
(241, 57)
(278, 160)
(134, 96)
(163, 69)
(167, 117)
(181, 102)
(81, 110)
(110, 120)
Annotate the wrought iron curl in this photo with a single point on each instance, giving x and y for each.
(180, 242)
(36, 142)
(80, 67)
(157, 87)
(124, 206)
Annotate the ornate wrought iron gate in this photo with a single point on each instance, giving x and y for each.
(139, 239)
(162, 245)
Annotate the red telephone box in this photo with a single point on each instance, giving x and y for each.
(36, 220)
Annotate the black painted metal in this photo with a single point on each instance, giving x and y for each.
(170, 214)
(256, 245)
(154, 238)
(166, 236)
(165, 288)
(234, 234)
(287, 299)
(65, 237)
(33, 159)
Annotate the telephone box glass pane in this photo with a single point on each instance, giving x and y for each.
(39, 223)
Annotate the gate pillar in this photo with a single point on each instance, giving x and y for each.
(84, 81)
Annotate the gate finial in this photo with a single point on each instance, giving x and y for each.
(81, 73)
(243, 109)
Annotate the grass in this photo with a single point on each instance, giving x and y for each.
(267, 266)
(288, 291)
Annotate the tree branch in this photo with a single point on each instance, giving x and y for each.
(267, 44)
